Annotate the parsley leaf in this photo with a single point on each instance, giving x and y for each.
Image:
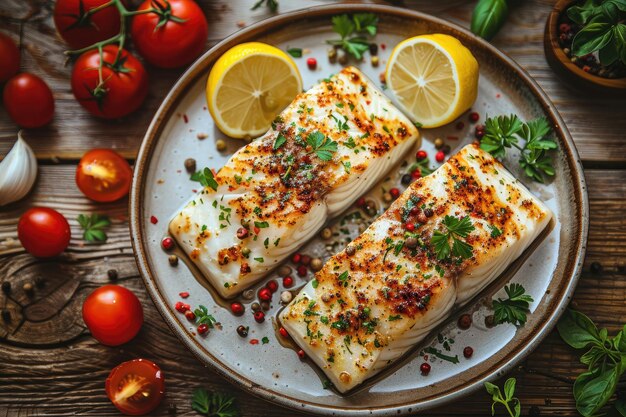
(213, 404)
(280, 141)
(504, 132)
(271, 4)
(322, 146)
(455, 228)
(295, 52)
(205, 178)
(514, 308)
(203, 316)
(93, 226)
(353, 31)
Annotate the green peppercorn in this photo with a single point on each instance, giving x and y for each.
(316, 264)
(438, 143)
(326, 233)
(220, 144)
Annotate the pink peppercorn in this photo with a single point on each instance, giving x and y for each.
(259, 316)
(154, 220)
(395, 193)
(237, 308)
(287, 282)
(424, 368)
(460, 125)
(416, 174)
(473, 116)
(283, 332)
(306, 260)
(296, 258)
(302, 271)
(181, 307)
(440, 156)
(311, 63)
(167, 243)
(265, 294)
(190, 315)
(203, 328)
(183, 294)
(360, 202)
(272, 286)
(468, 352)
(421, 155)
(410, 227)
(301, 354)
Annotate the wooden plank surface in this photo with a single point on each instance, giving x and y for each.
(50, 365)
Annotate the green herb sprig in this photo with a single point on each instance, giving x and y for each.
(93, 226)
(514, 308)
(605, 358)
(504, 132)
(271, 4)
(455, 228)
(205, 178)
(214, 404)
(203, 317)
(511, 403)
(322, 145)
(604, 30)
(353, 30)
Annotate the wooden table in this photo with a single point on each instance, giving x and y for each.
(50, 365)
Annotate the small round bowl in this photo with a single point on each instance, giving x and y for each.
(569, 72)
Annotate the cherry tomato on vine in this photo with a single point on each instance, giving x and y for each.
(122, 88)
(136, 387)
(9, 56)
(174, 36)
(28, 100)
(79, 29)
(113, 314)
(43, 232)
(103, 175)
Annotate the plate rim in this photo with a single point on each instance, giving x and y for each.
(572, 269)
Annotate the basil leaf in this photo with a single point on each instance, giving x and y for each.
(620, 406)
(577, 330)
(488, 17)
(593, 37)
(583, 13)
(593, 389)
(509, 388)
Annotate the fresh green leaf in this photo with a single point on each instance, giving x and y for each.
(343, 25)
(213, 404)
(500, 134)
(295, 52)
(577, 330)
(353, 31)
(488, 17)
(365, 22)
(592, 390)
(441, 244)
(507, 400)
(593, 37)
(620, 405)
(93, 226)
(455, 228)
(271, 4)
(205, 178)
(514, 308)
(280, 141)
(322, 146)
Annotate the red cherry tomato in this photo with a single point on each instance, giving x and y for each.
(9, 56)
(124, 84)
(103, 175)
(80, 30)
(176, 43)
(113, 314)
(28, 100)
(44, 232)
(136, 387)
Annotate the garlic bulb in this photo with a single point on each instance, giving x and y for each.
(18, 172)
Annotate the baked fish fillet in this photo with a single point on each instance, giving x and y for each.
(389, 288)
(323, 151)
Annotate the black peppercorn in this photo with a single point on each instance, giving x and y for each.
(242, 331)
(171, 409)
(6, 287)
(112, 274)
(6, 315)
(446, 149)
(465, 321)
(190, 165)
(406, 179)
(596, 267)
(429, 212)
(373, 49)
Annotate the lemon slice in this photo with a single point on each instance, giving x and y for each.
(248, 86)
(433, 77)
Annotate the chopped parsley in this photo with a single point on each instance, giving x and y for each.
(322, 146)
(265, 340)
(295, 52)
(395, 317)
(344, 277)
(347, 165)
(261, 225)
(260, 259)
(280, 141)
(205, 178)
(495, 232)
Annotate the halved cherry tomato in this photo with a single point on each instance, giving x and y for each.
(136, 387)
(113, 314)
(172, 38)
(44, 232)
(79, 29)
(9, 56)
(103, 175)
(28, 100)
(124, 83)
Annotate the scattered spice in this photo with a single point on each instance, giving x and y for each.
(112, 274)
(190, 165)
(474, 116)
(154, 220)
(265, 294)
(425, 368)
(167, 243)
(183, 294)
(220, 145)
(468, 352)
(259, 316)
(438, 143)
(242, 331)
(440, 156)
(286, 297)
(173, 260)
(465, 321)
(237, 308)
(311, 63)
(284, 270)
(287, 282)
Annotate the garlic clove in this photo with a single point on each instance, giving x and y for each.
(18, 172)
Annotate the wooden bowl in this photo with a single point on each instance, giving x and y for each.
(569, 72)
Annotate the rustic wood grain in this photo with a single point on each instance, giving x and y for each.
(74, 131)
(50, 365)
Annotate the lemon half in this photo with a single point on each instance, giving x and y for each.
(433, 77)
(249, 85)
